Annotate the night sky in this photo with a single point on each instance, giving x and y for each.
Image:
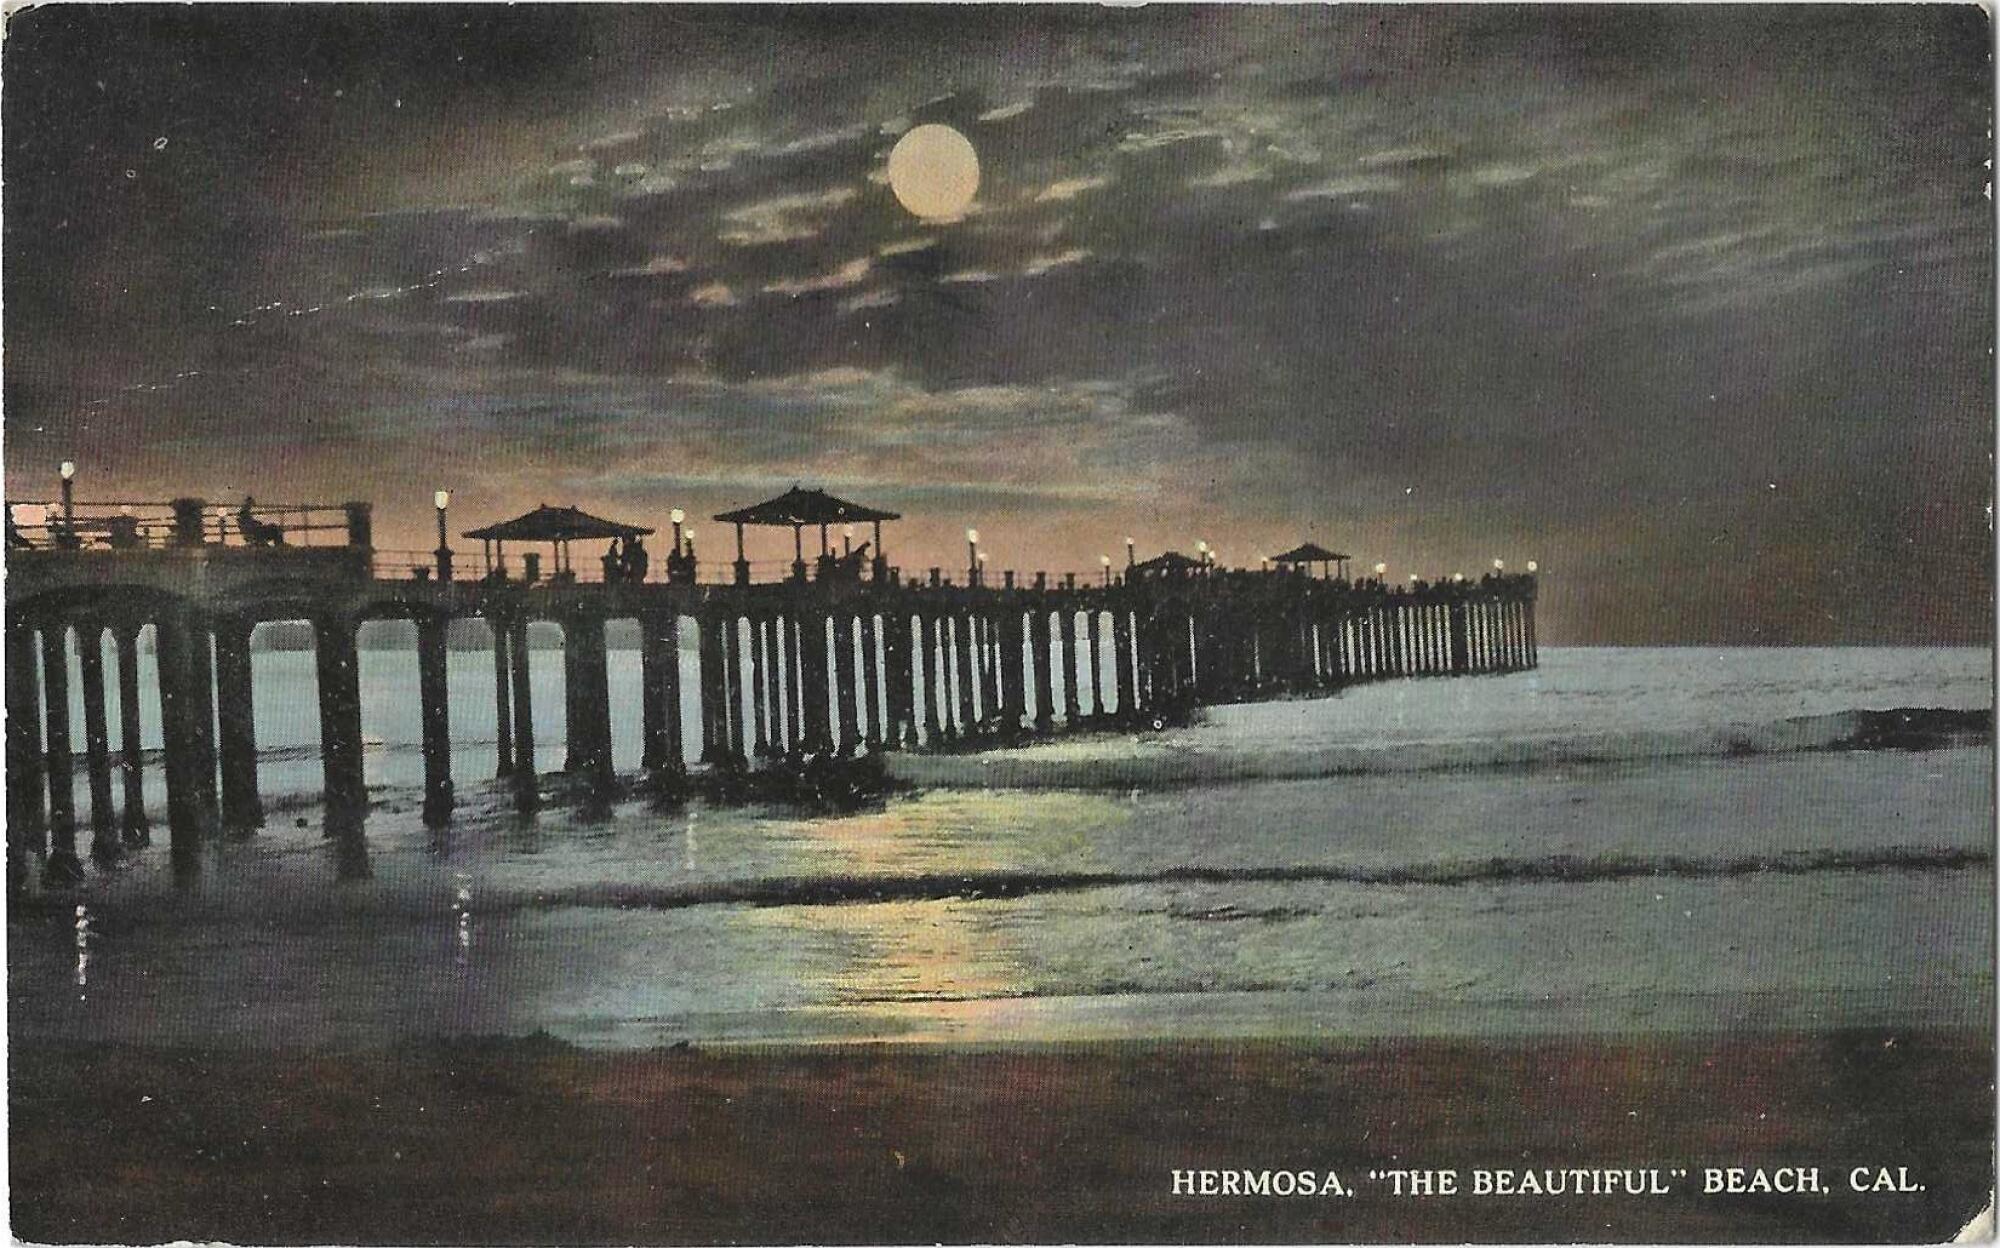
(1691, 305)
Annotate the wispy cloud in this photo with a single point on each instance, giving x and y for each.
(853, 273)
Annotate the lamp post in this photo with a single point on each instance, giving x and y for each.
(442, 499)
(1533, 566)
(1458, 578)
(1131, 556)
(972, 556)
(689, 534)
(1381, 570)
(1104, 563)
(69, 501)
(1499, 565)
(679, 518)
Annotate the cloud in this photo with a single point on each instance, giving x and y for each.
(713, 295)
(1231, 175)
(870, 299)
(657, 266)
(1346, 187)
(486, 296)
(1045, 264)
(786, 218)
(1070, 188)
(853, 273)
(1006, 111)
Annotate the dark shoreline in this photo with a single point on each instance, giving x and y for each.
(533, 1141)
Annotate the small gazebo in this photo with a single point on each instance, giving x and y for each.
(797, 509)
(1308, 554)
(557, 526)
(1172, 565)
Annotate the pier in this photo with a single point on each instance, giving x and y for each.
(840, 655)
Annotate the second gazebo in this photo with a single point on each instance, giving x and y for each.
(798, 509)
(558, 526)
(1308, 554)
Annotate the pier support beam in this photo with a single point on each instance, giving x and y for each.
(1013, 672)
(813, 658)
(736, 741)
(339, 671)
(590, 729)
(841, 659)
(1095, 623)
(961, 645)
(871, 681)
(1124, 662)
(434, 698)
(242, 807)
(760, 687)
(27, 817)
(131, 748)
(1038, 653)
(897, 692)
(1066, 633)
(189, 820)
(927, 650)
(714, 715)
(62, 866)
(503, 702)
(104, 846)
(660, 690)
(527, 780)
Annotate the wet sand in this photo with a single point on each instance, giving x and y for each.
(532, 1141)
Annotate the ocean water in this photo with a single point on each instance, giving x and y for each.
(1621, 841)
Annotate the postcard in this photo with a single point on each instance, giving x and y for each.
(679, 624)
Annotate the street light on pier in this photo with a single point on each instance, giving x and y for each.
(1104, 563)
(442, 500)
(1499, 565)
(68, 471)
(1381, 569)
(1201, 548)
(1458, 578)
(972, 556)
(847, 539)
(679, 518)
(1131, 556)
(1533, 566)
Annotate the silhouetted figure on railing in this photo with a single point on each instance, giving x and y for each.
(257, 532)
(122, 533)
(614, 563)
(16, 540)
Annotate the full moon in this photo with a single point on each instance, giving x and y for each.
(934, 172)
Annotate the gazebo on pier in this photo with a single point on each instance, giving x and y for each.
(798, 509)
(557, 526)
(1308, 554)
(1170, 566)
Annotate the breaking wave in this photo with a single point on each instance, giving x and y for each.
(1003, 885)
(1906, 728)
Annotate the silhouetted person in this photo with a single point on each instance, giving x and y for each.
(613, 563)
(636, 559)
(256, 532)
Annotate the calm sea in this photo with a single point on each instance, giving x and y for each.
(1739, 888)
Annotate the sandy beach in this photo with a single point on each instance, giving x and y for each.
(534, 1142)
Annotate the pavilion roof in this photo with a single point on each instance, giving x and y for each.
(1170, 561)
(799, 507)
(555, 524)
(1309, 553)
